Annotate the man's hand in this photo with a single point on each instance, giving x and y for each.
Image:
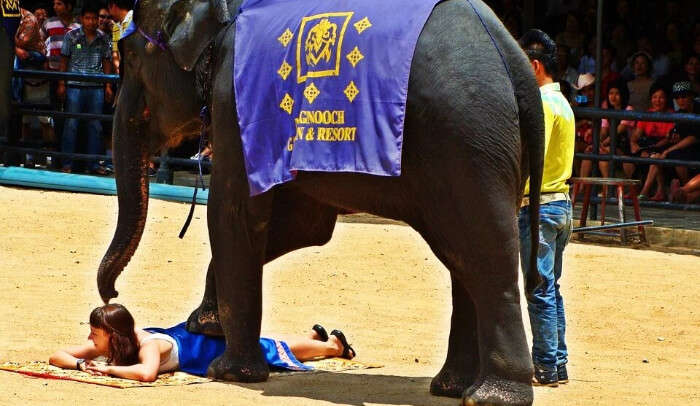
(21, 53)
(674, 137)
(61, 91)
(109, 94)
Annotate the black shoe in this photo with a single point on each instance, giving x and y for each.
(348, 351)
(322, 334)
(545, 377)
(562, 375)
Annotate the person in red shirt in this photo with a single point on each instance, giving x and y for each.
(650, 137)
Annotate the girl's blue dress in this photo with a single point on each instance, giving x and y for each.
(197, 351)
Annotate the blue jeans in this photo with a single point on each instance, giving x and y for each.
(83, 100)
(546, 307)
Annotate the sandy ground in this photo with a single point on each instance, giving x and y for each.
(378, 282)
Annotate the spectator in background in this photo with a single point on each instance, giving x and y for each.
(691, 72)
(608, 73)
(650, 136)
(121, 12)
(683, 143)
(640, 85)
(587, 62)
(564, 70)
(572, 37)
(621, 42)
(660, 64)
(584, 126)
(688, 193)
(106, 25)
(607, 70)
(41, 13)
(29, 40)
(617, 99)
(85, 50)
(30, 49)
(104, 21)
(671, 44)
(55, 28)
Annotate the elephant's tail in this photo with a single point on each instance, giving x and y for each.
(531, 118)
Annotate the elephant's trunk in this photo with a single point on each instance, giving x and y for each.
(131, 171)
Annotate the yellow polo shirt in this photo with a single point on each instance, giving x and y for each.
(119, 27)
(559, 140)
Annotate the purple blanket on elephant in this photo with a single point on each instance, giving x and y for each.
(321, 85)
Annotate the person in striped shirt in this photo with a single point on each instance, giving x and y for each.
(55, 28)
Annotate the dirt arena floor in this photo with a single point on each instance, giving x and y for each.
(634, 315)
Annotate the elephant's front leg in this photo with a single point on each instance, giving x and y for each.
(238, 233)
(205, 318)
(462, 364)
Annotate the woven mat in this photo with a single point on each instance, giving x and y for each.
(41, 369)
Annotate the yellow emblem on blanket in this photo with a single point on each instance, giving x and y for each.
(319, 41)
(319, 44)
(10, 8)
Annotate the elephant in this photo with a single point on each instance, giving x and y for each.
(9, 22)
(473, 135)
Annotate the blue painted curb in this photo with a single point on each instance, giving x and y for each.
(37, 178)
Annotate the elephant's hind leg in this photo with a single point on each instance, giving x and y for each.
(491, 277)
(462, 364)
(487, 359)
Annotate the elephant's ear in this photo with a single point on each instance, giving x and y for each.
(191, 25)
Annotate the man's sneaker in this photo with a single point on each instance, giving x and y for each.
(545, 377)
(562, 374)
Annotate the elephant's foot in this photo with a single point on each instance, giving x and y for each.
(205, 320)
(451, 382)
(498, 391)
(227, 368)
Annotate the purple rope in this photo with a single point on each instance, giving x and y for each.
(158, 41)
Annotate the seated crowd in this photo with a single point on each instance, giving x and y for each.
(650, 61)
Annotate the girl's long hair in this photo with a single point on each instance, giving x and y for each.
(119, 324)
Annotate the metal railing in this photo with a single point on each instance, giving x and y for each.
(164, 174)
(614, 116)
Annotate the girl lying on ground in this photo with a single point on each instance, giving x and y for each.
(141, 354)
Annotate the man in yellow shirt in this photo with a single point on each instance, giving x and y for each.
(545, 306)
(121, 11)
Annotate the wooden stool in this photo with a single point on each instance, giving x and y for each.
(619, 184)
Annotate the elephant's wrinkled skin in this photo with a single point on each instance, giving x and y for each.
(472, 136)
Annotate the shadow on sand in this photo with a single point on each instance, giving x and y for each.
(352, 389)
